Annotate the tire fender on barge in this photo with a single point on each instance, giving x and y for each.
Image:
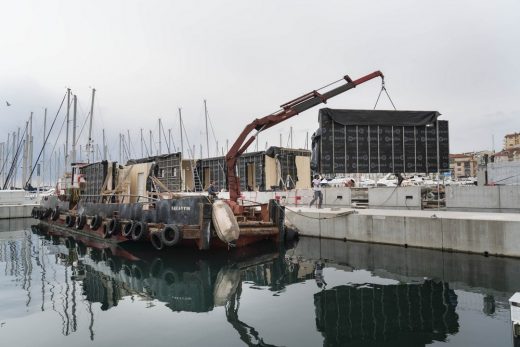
(171, 235)
(96, 222)
(139, 231)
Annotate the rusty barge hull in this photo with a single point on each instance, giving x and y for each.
(181, 222)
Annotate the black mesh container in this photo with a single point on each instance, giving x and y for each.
(374, 141)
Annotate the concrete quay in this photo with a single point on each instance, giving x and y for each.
(472, 232)
(458, 198)
(16, 211)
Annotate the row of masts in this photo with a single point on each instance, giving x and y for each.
(23, 145)
(46, 171)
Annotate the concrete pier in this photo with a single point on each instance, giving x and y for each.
(473, 232)
(16, 211)
(458, 198)
(486, 199)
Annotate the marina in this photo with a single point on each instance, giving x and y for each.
(259, 173)
(364, 294)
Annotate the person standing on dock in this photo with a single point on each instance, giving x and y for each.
(212, 190)
(316, 187)
(400, 178)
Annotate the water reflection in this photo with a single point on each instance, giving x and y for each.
(358, 294)
(187, 281)
(182, 282)
(386, 315)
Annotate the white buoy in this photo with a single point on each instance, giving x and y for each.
(514, 302)
(225, 223)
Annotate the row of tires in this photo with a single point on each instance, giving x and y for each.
(45, 213)
(168, 236)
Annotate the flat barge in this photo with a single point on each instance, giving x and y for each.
(124, 213)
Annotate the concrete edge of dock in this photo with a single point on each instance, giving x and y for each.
(16, 211)
(485, 233)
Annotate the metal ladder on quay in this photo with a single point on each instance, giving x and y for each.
(197, 183)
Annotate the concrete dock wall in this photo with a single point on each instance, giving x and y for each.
(12, 197)
(302, 197)
(299, 197)
(492, 233)
(15, 211)
(485, 198)
(458, 198)
(395, 197)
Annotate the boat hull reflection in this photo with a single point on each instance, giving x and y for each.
(185, 281)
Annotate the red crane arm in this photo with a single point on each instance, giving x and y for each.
(288, 110)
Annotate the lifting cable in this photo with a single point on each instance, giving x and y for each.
(383, 88)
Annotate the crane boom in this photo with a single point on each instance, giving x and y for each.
(288, 110)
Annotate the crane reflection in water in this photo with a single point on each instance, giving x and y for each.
(74, 275)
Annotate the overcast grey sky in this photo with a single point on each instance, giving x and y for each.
(147, 58)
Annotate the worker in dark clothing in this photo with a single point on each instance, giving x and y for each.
(400, 179)
(212, 190)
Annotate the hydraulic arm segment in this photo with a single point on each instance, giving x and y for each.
(288, 110)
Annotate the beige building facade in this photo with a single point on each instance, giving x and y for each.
(463, 165)
(512, 141)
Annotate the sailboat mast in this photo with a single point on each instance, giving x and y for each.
(206, 118)
(151, 148)
(13, 157)
(74, 117)
(16, 160)
(66, 154)
(170, 140)
(24, 156)
(104, 146)
(142, 152)
(6, 156)
(180, 128)
(90, 126)
(30, 147)
(160, 142)
(129, 142)
(43, 149)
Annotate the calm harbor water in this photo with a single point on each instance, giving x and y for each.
(57, 291)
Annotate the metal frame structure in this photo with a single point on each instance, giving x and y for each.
(288, 110)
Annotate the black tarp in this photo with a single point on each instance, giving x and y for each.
(380, 117)
(379, 141)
